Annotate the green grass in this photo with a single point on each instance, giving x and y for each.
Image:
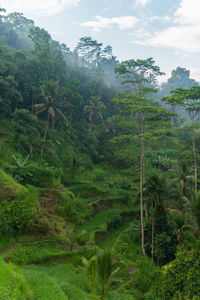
(9, 188)
(64, 273)
(111, 237)
(72, 281)
(115, 296)
(23, 254)
(99, 222)
(46, 253)
(43, 287)
(85, 189)
(126, 243)
(12, 283)
(6, 242)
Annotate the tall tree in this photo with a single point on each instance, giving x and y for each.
(88, 52)
(189, 101)
(19, 22)
(140, 74)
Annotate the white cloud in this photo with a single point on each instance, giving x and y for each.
(41, 7)
(123, 23)
(163, 19)
(188, 12)
(140, 33)
(184, 35)
(184, 38)
(194, 73)
(141, 2)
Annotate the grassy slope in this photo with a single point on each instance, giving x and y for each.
(12, 283)
(9, 188)
(111, 214)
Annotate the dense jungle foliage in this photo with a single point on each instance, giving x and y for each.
(98, 172)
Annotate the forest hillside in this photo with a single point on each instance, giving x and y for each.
(99, 172)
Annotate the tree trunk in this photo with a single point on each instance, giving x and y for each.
(31, 150)
(44, 139)
(195, 158)
(144, 200)
(152, 236)
(146, 210)
(141, 190)
(102, 293)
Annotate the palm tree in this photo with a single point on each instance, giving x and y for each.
(181, 169)
(105, 270)
(94, 107)
(183, 223)
(90, 267)
(154, 190)
(51, 94)
(76, 165)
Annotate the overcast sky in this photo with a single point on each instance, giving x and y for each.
(167, 30)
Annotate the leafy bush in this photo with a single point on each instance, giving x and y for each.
(18, 215)
(181, 276)
(144, 278)
(71, 207)
(39, 174)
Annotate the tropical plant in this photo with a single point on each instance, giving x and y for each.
(90, 267)
(51, 94)
(76, 164)
(105, 270)
(22, 168)
(94, 108)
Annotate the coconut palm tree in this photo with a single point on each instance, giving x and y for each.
(51, 95)
(181, 170)
(94, 108)
(105, 270)
(182, 224)
(90, 267)
(76, 165)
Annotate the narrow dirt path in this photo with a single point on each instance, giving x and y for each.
(6, 249)
(11, 246)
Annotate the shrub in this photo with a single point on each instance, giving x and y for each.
(39, 174)
(181, 276)
(18, 215)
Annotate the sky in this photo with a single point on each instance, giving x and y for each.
(167, 30)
